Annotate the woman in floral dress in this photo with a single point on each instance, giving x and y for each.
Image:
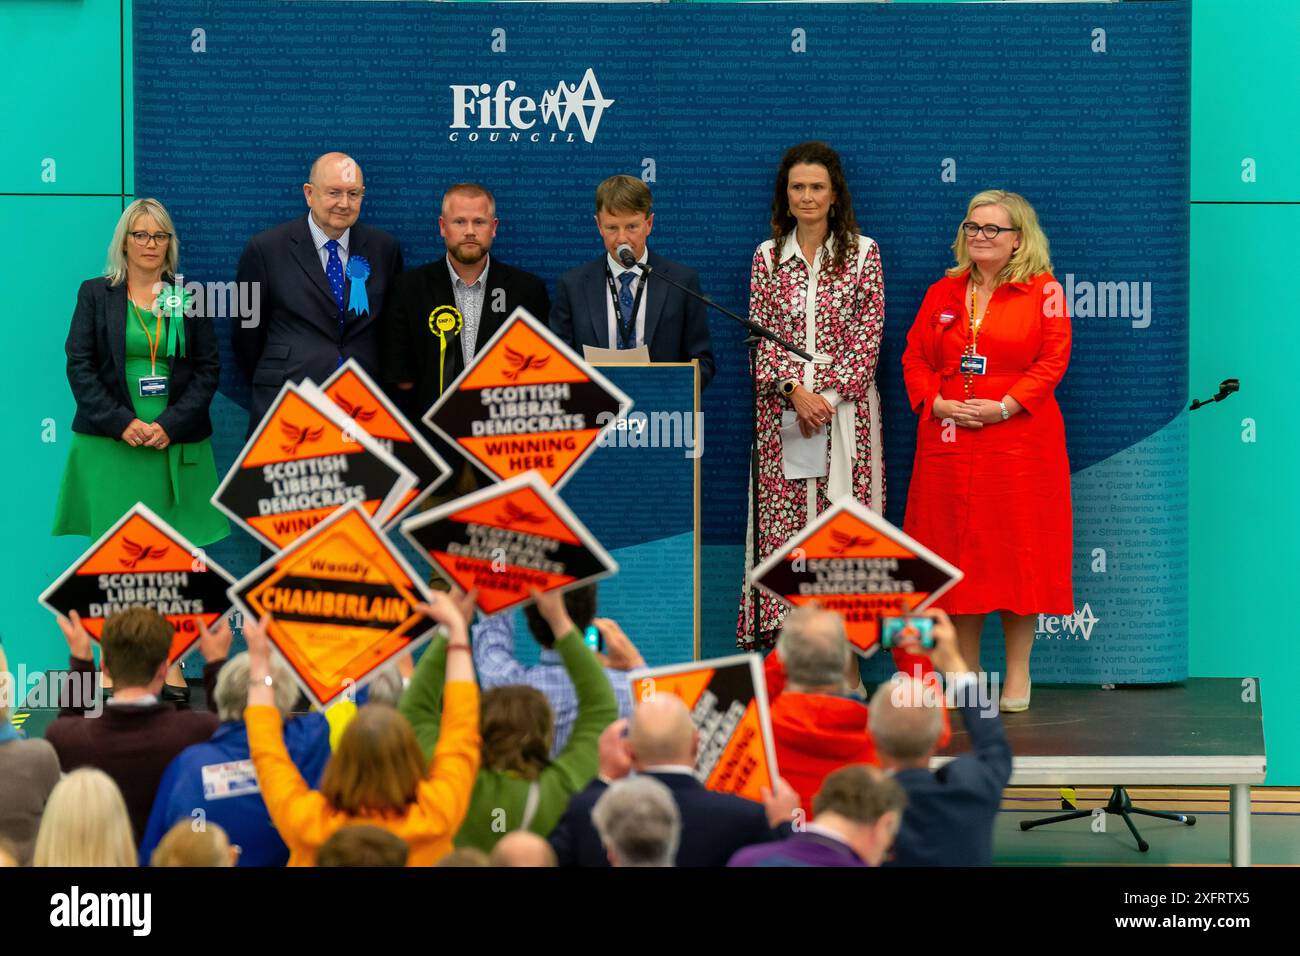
(816, 283)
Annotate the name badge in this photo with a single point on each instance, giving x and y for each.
(973, 364)
(153, 386)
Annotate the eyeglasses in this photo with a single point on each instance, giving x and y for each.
(142, 238)
(989, 231)
(354, 195)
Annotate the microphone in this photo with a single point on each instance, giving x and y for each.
(625, 255)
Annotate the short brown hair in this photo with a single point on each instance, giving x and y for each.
(136, 643)
(623, 194)
(362, 844)
(517, 727)
(471, 191)
(376, 767)
(859, 793)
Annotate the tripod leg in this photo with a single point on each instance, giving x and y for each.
(1076, 815)
(1163, 815)
(1143, 846)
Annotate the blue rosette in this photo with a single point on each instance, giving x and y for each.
(358, 272)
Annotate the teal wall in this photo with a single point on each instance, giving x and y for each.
(1244, 515)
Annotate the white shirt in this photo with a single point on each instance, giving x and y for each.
(671, 768)
(318, 236)
(146, 700)
(469, 301)
(616, 269)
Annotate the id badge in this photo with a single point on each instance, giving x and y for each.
(153, 386)
(973, 364)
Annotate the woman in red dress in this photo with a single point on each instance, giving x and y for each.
(990, 487)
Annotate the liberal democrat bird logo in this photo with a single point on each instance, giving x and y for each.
(298, 436)
(139, 552)
(358, 413)
(514, 514)
(847, 542)
(523, 363)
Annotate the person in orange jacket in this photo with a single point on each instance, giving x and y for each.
(378, 774)
(817, 725)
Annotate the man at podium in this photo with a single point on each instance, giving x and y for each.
(605, 304)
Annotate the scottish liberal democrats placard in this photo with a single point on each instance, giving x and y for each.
(527, 403)
(727, 697)
(142, 561)
(508, 538)
(306, 460)
(342, 604)
(852, 561)
(364, 402)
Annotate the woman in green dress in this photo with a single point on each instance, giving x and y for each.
(143, 367)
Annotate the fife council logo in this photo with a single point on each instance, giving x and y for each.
(482, 113)
(1076, 625)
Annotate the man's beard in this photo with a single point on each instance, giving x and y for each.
(467, 257)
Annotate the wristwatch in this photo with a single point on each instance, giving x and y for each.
(1005, 414)
(788, 387)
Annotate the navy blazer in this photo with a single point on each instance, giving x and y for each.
(409, 349)
(294, 333)
(676, 325)
(96, 350)
(950, 812)
(714, 825)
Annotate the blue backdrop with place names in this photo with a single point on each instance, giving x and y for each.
(1082, 108)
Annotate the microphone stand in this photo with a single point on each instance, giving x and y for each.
(756, 334)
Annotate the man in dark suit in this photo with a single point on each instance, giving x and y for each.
(604, 304)
(950, 811)
(322, 281)
(663, 743)
(440, 315)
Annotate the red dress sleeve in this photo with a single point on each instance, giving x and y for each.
(921, 366)
(1040, 379)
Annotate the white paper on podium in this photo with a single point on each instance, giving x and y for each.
(802, 457)
(596, 355)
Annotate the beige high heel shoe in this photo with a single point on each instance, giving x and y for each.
(1015, 705)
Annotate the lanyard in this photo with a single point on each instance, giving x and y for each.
(636, 301)
(154, 341)
(971, 349)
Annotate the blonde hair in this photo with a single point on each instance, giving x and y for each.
(115, 268)
(185, 846)
(85, 824)
(1031, 259)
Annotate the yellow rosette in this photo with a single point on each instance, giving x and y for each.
(445, 320)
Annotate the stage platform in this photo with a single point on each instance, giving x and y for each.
(1208, 731)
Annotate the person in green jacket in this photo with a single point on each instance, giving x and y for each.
(519, 786)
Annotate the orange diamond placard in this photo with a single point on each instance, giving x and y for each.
(142, 561)
(306, 460)
(342, 604)
(852, 561)
(727, 698)
(506, 539)
(527, 403)
(364, 402)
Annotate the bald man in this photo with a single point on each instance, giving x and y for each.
(522, 848)
(321, 280)
(662, 742)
